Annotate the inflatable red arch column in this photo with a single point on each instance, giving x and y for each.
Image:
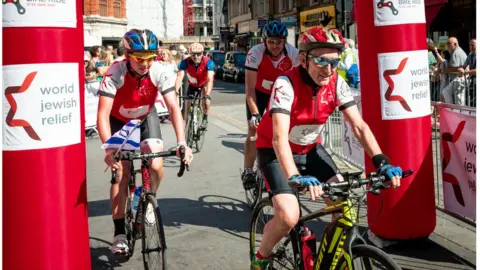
(396, 104)
(45, 217)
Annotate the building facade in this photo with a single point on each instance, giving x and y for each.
(104, 22)
(239, 21)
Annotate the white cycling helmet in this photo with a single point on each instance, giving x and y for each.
(196, 48)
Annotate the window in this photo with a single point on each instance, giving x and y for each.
(117, 9)
(285, 5)
(103, 8)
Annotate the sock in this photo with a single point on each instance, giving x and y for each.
(119, 226)
(205, 117)
(261, 257)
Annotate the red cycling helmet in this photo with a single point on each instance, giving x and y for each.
(319, 37)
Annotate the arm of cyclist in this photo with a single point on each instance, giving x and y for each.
(210, 74)
(366, 138)
(280, 108)
(182, 67)
(251, 68)
(106, 92)
(167, 90)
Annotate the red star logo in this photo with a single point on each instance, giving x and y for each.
(13, 106)
(391, 84)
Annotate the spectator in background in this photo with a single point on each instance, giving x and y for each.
(110, 49)
(120, 54)
(102, 65)
(89, 76)
(94, 56)
(346, 61)
(455, 86)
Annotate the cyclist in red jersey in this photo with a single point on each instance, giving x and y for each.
(128, 91)
(200, 72)
(265, 62)
(289, 134)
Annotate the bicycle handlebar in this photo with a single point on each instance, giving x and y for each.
(127, 155)
(342, 188)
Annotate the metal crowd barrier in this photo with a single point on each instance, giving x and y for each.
(462, 89)
(334, 142)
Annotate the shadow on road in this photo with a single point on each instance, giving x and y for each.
(234, 145)
(102, 257)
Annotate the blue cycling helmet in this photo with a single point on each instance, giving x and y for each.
(275, 28)
(137, 40)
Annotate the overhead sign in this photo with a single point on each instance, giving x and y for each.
(314, 17)
(52, 13)
(392, 12)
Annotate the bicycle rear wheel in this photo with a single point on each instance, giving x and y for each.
(368, 257)
(283, 256)
(153, 240)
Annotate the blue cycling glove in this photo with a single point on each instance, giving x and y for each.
(382, 164)
(304, 180)
(389, 171)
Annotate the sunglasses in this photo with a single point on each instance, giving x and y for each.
(141, 59)
(275, 41)
(196, 54)
(323, 61)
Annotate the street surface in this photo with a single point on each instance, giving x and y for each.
(205, 215)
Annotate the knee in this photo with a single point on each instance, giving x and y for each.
(157, 166)
(251, 132)
(288, 216)
(123, 174)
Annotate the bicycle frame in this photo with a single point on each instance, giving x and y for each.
(338, 236)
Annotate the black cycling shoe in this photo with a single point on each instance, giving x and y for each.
(249, 179)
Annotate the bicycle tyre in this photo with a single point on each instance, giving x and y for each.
(254, 195)
(265, 202)
(371, 252)
(198, 111)
(158, 227)
(189, 129)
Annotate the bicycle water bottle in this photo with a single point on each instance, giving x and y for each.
(136, 199)
(309, 247)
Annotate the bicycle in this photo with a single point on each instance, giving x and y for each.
(148, 213)
(341, 241)
(254, 194)
(195, 134)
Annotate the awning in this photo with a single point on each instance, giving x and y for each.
(431, 13)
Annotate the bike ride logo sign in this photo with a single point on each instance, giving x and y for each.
(398, 12)
(43, 13)
(41, 106)
(404, 84)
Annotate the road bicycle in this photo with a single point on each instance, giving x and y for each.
(146, 225)
(341, 241)
(195, 134)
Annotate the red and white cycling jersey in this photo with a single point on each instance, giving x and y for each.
(133, 96)
(308, 105)
(268, 70)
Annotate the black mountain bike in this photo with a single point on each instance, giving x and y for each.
(194, 133)
(341, 241)
(147, 224)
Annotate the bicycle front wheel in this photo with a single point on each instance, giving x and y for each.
(368, 257)
(199, 132)
(283, 256)
(153, 240)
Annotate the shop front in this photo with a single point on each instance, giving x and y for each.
(291, 23)
(241, 39)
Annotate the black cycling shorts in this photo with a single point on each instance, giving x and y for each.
(191, 90)
(318, 163)
(150, 128)
(262, 102)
